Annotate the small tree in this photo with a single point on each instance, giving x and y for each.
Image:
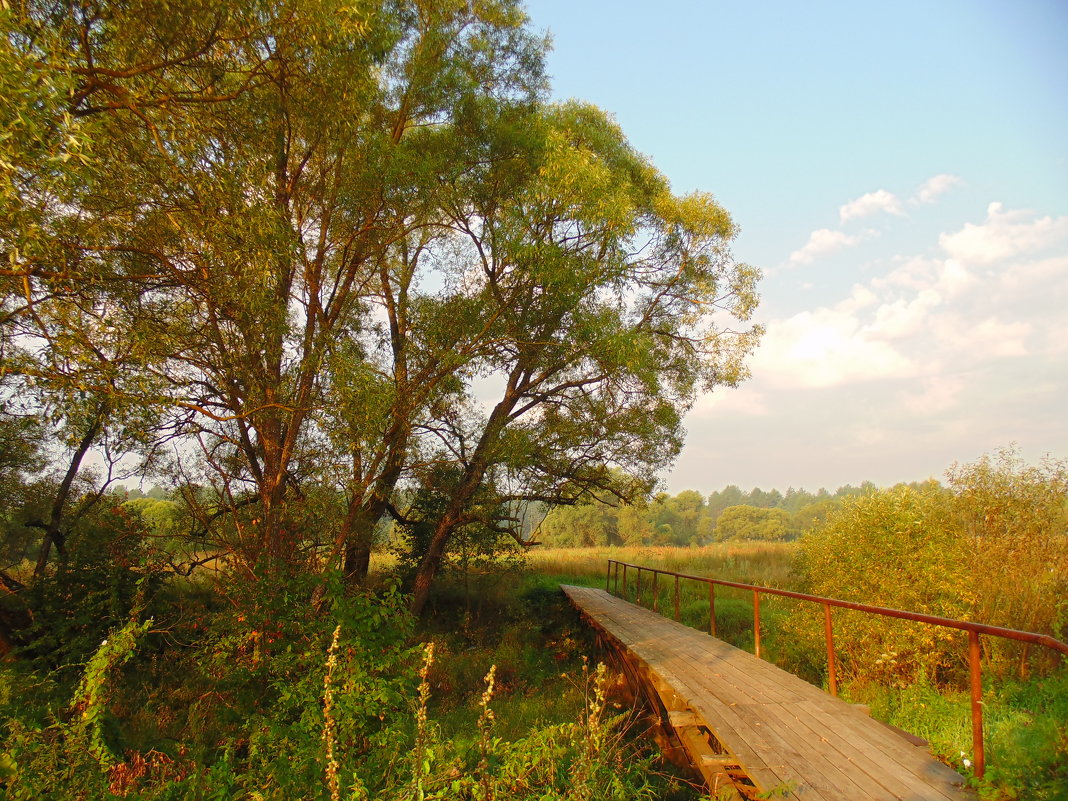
(746, 522)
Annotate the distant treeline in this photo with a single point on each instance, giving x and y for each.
(691, 518)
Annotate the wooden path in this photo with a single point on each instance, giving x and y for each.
(751, 728)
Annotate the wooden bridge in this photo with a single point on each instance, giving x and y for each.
(752, 729)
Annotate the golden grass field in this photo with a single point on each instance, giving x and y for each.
(764, 563)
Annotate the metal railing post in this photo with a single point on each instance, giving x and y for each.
(608, 577)
(828, 631)
(656, 589)
(638, 591)
(756, 622)
(975, 668)
(677, 616)
(712, 608)
(624, 596)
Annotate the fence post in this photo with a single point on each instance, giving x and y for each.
(712, 608)
(638, 591)
(677, 617)
(656, 589)
(756, 622)
(977, 703)
(828, 631)
(624, 596)
(608, 577)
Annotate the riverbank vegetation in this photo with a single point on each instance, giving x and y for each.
(152, 685)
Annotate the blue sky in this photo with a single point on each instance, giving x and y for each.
(900, 174)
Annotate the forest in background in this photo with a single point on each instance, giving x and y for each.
(690, 518)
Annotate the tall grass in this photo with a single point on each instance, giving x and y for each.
(764, 563)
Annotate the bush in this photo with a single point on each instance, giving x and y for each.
(891, 548)
(107, 575)
(992, 547)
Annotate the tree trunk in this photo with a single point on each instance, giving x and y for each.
(428, 567)
(358, 547)
(53, 532)
(475, 472)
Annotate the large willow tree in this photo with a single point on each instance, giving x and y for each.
(346, 247)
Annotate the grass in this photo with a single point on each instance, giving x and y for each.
(748, 563)
(524, 626)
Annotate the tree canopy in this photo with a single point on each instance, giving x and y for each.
(319, 263)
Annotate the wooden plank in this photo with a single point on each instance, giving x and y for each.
(716, 769)
(785, 734)
(754, 766)
(901, 779)
(816, 749)
(891, 755)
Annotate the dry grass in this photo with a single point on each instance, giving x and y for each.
(764, 563)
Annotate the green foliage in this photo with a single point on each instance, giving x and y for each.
(752, 523)
(891, 548)
(1025, 724)
(108, 574)
(89, 703)
(263, 699)
(943, 552)
(578, 761)
(239, 711)
(691, 519)
(1009, 513)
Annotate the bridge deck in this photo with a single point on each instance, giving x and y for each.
(742, 718)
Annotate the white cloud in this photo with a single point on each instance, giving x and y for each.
(947, 276)
(938, 393)
(822, 243)
(745, 400)
(930, 314)
(859, 298)
(955, 346)
(903, 317)
(825, 347)
(932, 188)
(871, 203)
(1003, 235)
(995, 337)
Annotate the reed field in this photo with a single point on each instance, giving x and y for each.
(764, 563)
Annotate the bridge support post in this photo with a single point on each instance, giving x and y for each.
(677, 617)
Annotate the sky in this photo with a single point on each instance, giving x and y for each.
(899, 172)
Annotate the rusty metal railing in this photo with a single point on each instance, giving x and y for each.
(973, 629)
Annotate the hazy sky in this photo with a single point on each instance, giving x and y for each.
(900, 174)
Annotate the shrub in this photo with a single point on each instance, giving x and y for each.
(992, 547)
(892, 548)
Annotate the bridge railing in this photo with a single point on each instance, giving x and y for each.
(973, 629)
